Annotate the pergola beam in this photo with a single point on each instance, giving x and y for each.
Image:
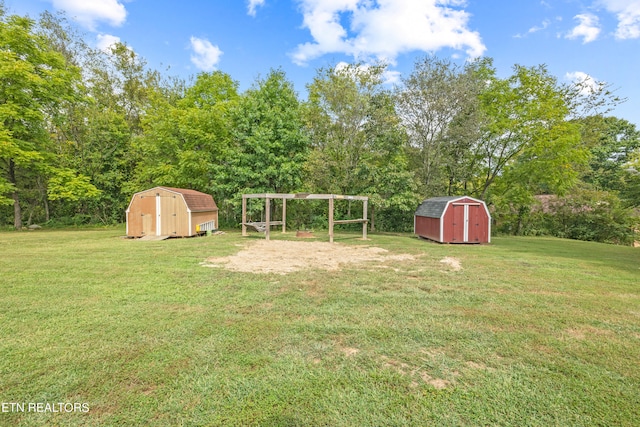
(291, 196)
(304, 196)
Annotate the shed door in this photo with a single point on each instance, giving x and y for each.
(168, 211)
(475, 230)
(148, 212)
(466, 223)
(459, 223)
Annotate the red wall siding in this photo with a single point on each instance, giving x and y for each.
(428, 227)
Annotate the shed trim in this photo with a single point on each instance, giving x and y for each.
(158, 215)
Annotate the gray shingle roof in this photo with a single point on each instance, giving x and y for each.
(434, 207)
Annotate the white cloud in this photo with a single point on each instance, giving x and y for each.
(391, 77)
(588, 28)
(252, 5)
(206, 56)
(545, 24)
(628, 14)
(105, 41)
(89, 12)
(383, 29)
(586, 83)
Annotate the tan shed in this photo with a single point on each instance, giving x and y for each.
(173, 212)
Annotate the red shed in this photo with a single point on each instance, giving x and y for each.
(173, 212)
(457, 219)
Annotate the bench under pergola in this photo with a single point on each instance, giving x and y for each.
(266, 225)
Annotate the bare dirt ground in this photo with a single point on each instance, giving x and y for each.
(282, 257)
(452, 263)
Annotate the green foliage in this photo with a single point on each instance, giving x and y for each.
(612, 143)
(66, 184)
(592, 215)
(186, 139)
(359, 143)
(340, 107)
(583, 214)
(439, 106)
(528, 142)
(269, 144)
(38, 82)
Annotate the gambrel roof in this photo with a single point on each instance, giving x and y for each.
(195, 200)
(435, 206)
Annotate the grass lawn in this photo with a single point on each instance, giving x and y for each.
(530, 332)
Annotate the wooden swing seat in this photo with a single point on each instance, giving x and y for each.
(261, 227)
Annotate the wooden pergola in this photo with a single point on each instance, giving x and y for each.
(266, 225)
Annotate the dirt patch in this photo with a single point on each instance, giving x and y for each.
(350, 351)
(452, 263)
(585, 332)
(282, 257)
(415, 373)
(475, 365)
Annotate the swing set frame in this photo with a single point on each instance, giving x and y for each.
(266, 226)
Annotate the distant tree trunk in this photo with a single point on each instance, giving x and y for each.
(17, 212)
(522, 210)
(45, 200)
(373, 218)
(46, 209)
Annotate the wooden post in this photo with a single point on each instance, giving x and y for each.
(331, 220)
(284, 215)
(364, 216)
(267, 217)
(244, 216)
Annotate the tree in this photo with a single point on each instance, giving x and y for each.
(611, 142)
(36, 80)
(269, 142)
(439, 107)
(527, 139)
(94, 133)
(592, 215)
(186, 140)
(357, 139)
(339, 107)
(632, 190)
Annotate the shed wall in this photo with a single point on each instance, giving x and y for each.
(141, 219)
(428, 227)
(200, 217)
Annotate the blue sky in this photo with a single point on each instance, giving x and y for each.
(597, 39)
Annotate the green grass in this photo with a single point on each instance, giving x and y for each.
(532, 332)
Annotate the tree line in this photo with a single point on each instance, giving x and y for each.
(82, 129)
